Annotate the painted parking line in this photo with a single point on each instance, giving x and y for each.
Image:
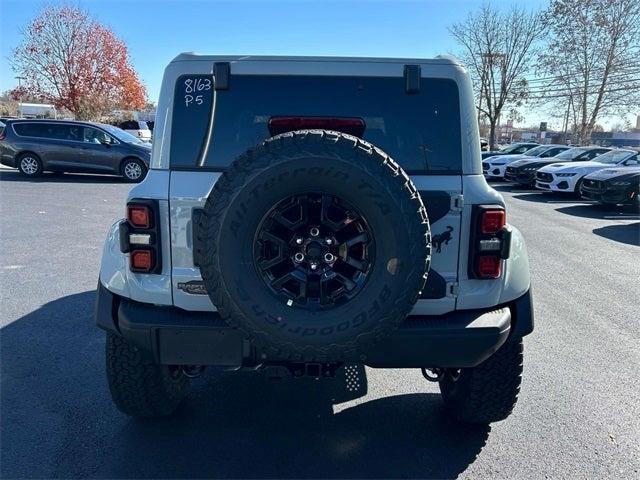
(583, 202)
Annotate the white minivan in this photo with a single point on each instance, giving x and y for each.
(137, 128)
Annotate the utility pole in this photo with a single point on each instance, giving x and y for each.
(20, 95)
(566, 124)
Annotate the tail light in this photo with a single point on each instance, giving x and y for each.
(141, 261)
(352, 126)
(492, 221)
(490, 242)
(139, 216)
(140, 236)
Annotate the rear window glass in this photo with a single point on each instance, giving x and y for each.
(420, 131)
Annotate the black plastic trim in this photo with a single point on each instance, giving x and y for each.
(522, 322)
(170, 335)
(221, 74)
(506, 234)
(455, 340)
(123, 233)
(106, 308)
(435, 287)
(437, 203)
(412, 76)
(196, 216)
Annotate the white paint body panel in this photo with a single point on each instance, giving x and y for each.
(500, 164)
(580, 169)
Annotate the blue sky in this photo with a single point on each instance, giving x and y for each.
(156, 31)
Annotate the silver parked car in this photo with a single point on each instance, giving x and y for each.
(35, 146)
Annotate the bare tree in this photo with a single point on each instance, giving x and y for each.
(592, 61)
(498, 48)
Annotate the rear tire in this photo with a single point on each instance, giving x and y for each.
(29, 165)
(634, 205)
(133, 170)
(140, 388)
(488, 392)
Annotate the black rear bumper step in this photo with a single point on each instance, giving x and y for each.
(173, 336)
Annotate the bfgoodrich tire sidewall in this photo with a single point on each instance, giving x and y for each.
(265, 314)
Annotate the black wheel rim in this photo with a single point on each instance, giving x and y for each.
(314, 251)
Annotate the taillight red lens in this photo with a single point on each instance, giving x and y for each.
(139, 216)
(489, 266)
(492, 221)
(352, 126)
(142, 260)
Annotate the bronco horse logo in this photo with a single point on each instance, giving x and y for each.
(442, 238)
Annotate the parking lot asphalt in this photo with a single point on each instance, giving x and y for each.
(578, 415)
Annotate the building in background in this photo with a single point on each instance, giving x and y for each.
(616, 139)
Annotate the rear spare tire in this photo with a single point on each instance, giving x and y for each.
(315, 244)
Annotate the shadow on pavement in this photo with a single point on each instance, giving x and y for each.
(596, 211)
(58, 419)
(624, 233)
(547, 197)
(48, 177)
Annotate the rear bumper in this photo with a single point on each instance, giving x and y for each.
(8, 161)
(172, 336)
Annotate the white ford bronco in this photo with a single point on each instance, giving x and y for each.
(307, 215)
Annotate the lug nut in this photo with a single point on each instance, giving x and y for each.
(299, 240)
(314, 266)
(328, 257)
(328, 241)
(298, 257)
(314, 231)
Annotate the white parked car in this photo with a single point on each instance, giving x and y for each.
(495, 167)
(137, 128)
(568, 176)
(524, 171)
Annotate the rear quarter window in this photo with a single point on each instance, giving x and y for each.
(29, 129)
(420, 131)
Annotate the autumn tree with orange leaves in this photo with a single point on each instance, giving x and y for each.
(69, 59)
